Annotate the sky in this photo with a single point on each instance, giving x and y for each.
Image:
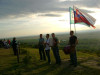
(33, 17)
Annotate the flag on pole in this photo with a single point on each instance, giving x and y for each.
(83, 18)
(71, 15)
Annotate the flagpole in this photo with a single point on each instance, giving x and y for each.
(70, 27)
(74, 22)
(75, 28)
(70, 18)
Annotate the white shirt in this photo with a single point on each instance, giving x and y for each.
(51, 42)
(47, 45)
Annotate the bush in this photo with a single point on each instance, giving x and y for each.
(98, 53)
(23, 51)
(36, 46)
(27, 59)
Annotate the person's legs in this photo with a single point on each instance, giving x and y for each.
(49, 60)
(40, 52)
(71, 59)
(48, 55)
(43, 53)
(73, 56)
(14, 50)
(54, 53)
(58, 56)
(75, 59)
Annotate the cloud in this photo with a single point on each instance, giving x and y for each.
(83, 3)
(21, 8)
(63, 20)
(50, 15)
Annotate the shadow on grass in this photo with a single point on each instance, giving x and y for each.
(90, 71)
(48, 70)
(45, 68)
(12, 70)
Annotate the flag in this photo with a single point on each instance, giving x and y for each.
(71, 15)
(83, 18)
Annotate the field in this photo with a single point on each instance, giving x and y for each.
(31, 65)
(88, 41)
(88, 54)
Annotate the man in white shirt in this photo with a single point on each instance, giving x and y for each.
(47, 48)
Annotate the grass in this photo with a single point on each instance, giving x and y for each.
(88, 64)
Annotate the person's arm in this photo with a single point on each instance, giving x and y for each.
(16, 43)
(39, 43)
(76, 42)
(48, 42)
(45, 42)
(56, 41)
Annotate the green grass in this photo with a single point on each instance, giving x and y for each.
(88, 64)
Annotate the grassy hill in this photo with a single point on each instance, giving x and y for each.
(88, 64)
(88, 53)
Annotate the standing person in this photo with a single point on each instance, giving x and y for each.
(0, 43)
(5, 43)
(56, 49)
(8, 43)
(47, 48)
(14, 45)
(41, 48)
(72, 42)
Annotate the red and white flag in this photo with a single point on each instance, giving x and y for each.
(83, 18)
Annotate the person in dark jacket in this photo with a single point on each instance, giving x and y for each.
(0, 43)
(72, 42)
(14, 45)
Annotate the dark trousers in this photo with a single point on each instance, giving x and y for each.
(73, 56)
(48, 55)
(15, 50)
(56, 55)
(42, 53)
(73, 59)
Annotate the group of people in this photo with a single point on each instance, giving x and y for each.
(5, 43)
(46, 45)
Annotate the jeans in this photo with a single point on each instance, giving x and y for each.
(56, 55)
(15, 50)
(73, 56)
(48, 55)
(42, 53)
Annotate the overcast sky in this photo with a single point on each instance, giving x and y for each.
(32, 17)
